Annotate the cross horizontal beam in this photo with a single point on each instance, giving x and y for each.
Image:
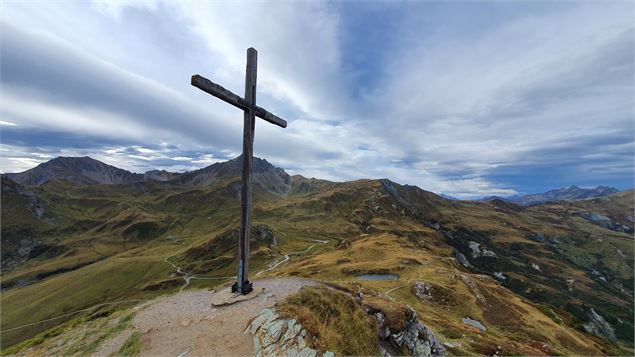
(225, 95)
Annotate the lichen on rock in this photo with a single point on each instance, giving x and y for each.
(415, 337)
(275, 336)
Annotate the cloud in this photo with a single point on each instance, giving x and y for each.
(300, 50)
(467, 99)
(70, 89)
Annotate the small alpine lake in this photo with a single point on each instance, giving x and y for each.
(378, 277)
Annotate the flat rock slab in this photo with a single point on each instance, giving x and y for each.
(227, 297)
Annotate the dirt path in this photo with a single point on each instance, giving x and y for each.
(287, 256)
(187, 277)
(186, 324)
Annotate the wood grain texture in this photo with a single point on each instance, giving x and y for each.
(251, 111)
(227, 96)
(248, 146)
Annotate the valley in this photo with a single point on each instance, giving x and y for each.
(544, 279)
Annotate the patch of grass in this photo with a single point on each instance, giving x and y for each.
(108, 280)
(132, 346)
(335, 321)
(90, 347)
(41, 337)
(548, 311)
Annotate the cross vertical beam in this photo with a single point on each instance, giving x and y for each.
(243, 285)
(251, 111)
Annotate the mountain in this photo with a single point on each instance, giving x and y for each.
(264, 175)
(23, 216)
(160, 175)
(448, 197)
(83, 170)
(88, 171)
(488, 278)
(567, 194)
(560, 194)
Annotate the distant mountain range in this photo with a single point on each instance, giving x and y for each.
(559, 194)
(86, 170)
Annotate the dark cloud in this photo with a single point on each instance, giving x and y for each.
(55, 72)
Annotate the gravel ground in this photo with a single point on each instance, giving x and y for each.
(186, 324)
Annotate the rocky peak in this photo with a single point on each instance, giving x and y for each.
(570, 193)
(160, 175)
(264, 175)
(83, 170)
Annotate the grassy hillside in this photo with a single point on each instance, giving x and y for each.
(532, 275)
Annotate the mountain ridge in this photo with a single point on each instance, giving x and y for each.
(83, 170)
(570, 193)
(86, 170)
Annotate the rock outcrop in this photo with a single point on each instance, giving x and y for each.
(275, 336)
(415, 337)
(423, 291)
(462, 259)
(478, 252)
(606, 222)
(598, 326)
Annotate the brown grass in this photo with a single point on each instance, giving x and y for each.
(335, 321)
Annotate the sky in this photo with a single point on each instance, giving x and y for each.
(468, 99)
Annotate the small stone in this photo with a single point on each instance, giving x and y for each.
(292, 352)
(307, 352)
(270, 350)
(265, 316)
(421, 349)
(257, 345)
(276, 329)
(293, 329)
(329, 354)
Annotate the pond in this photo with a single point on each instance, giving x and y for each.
(378, 277)
(474, 323)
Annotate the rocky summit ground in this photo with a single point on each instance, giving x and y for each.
(187, 324)
(182, 324)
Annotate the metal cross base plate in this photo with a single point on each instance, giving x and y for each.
(246, 288)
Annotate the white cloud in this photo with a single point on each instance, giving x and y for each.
(451, 107)
(116, 8)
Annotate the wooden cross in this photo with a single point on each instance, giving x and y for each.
(248, 105)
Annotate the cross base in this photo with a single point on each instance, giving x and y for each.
(244, 290)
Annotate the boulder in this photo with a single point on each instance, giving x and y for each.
(598, 326)
(423, 291)
(415, 337)
(462, 259)
(478, 252)
(275, 336)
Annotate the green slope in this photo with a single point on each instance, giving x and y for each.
(107, 243)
